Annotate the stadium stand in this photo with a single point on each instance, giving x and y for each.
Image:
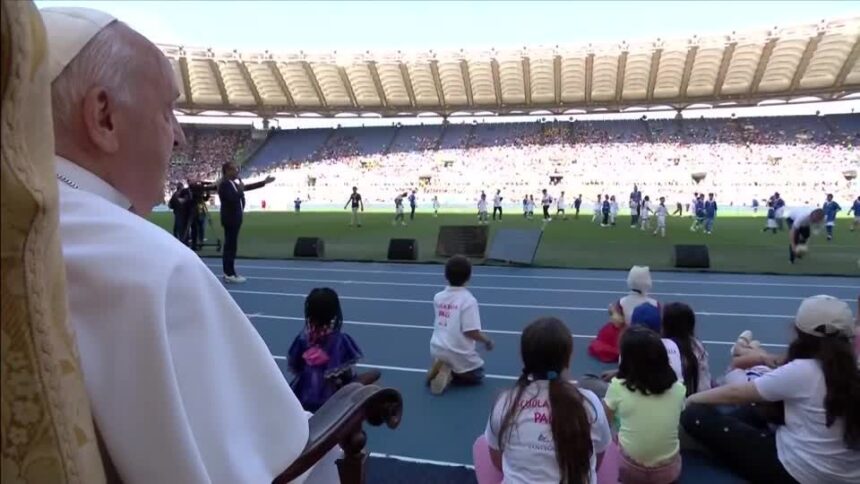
(744, 158)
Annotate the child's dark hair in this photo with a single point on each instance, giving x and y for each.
(322, 310)
(644, 365)
(679, 325)
(841, 376)
(458, 271)
(546, 346)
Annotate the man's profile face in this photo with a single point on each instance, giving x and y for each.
(147, 127)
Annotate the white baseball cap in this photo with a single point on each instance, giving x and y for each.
(825, 316)
(639, 279)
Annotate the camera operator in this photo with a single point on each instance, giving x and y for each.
(231, 191)
(201, 192)
(179, 205)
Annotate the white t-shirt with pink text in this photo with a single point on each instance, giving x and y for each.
(529, 455)
(456, 312)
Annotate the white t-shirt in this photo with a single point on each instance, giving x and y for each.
(674, 358)
(497, 201)
(546, 201)
(662, 212)
(482, 205)
(529, 455)
(646, 209)
(810, 451)
(560, 202)
(456, 312)
(800, 217)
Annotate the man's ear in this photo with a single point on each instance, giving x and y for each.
(99, 110)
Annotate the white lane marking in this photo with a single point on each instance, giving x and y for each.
(489, 331)
(421, 461)
(526, 289)
(562, 278)
(501, 305)
(410, 370)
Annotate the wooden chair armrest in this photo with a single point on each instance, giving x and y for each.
(339, 422)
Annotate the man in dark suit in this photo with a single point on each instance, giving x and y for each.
(179, 205)
(231, 192)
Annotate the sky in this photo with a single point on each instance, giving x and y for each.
(418, 25)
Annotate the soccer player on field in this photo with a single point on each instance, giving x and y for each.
(598, 207)
(831, 208)
(710, 213)
(482, 209)
(800, 222)
(856, 209)
(645, 214)
(559, 206)
(613, 210)
(435, 206)
(398, 209)
(497, 204)
(662, 212)
(546, 202)
(356, 202)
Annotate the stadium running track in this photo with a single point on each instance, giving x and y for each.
(388, 310)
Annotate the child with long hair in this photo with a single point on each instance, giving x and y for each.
(647, 399)
(819, 387)
(679, 325)
(544, 429)
(322, 357)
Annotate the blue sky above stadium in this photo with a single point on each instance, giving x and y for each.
(285, 25)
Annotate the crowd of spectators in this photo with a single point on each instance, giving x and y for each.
(205, 150)
(742, 160)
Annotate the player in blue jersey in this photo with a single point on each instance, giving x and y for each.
(831, 208)
(856, 209)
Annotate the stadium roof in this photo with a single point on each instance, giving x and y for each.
(819, 60)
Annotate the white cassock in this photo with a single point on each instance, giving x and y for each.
(183, 388)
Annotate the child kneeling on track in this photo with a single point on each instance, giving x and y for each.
(544, 429)
(647, 399)
(323, 358)
(456, 329)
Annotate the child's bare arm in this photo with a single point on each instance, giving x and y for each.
(755, 359)
(480, 337)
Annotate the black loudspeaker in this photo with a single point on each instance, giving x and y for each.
(692, 256)
(466, 240)
(403, 249)
(309, 247)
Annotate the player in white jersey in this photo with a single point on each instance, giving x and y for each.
(613, 210)
(598, 209)
(531, 206)
(546, 202)
(559, 206)
(645, 214)
(497, 205)
(435, 206)
(482, 209)
(398, 209)
(662, 212)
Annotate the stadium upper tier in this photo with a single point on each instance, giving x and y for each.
(782, 62)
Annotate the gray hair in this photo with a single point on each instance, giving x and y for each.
(105, 61)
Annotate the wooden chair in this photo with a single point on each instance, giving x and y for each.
(46, 427)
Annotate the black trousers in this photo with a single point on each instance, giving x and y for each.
(228, 252)
(741, 440)
(412, 214)
(179, 225)
(801, 235)
(605, 218)
(546, 211)
(497, 209)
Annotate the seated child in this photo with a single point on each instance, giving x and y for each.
(456, 329)
(323, 358)
(647, 398)
(605, 346)
(679, 325)
(749, 360)
(544, 429)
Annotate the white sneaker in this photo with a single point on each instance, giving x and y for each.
(237, 279)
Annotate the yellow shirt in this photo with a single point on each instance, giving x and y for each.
(648, 430)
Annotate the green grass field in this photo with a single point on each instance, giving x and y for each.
(737, 244)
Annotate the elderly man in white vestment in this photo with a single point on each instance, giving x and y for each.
(183, 388)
